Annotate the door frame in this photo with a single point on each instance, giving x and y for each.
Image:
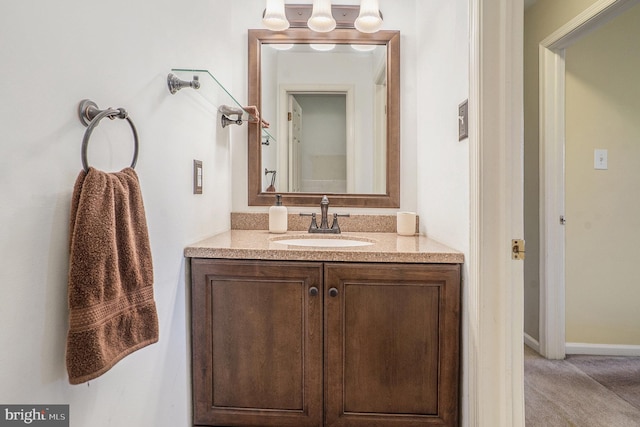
(493, 351)
(552, 168)
(283, 152)
(293, 149)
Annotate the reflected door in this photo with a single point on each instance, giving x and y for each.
(295, 147)
(319, 153)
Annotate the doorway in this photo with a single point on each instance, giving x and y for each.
(317, 141)
(552, 169)
(317, 123)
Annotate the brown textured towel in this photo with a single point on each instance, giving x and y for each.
(112, 312)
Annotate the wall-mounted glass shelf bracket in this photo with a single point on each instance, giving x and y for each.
(232, 111)
(227, 112)
(175, 84)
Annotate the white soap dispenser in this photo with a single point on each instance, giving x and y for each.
(278, 217)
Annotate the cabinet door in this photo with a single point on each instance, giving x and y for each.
(257, 343)
(392, 344)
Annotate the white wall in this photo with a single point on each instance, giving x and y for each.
(117, 53)
(443, 83)
(268, 60)
(441, 161)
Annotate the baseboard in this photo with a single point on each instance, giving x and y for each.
(602, 349)
(531, 342)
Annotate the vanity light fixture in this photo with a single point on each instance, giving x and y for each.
(322, 17)
(321, 20)
(369, 20)
(274, 17)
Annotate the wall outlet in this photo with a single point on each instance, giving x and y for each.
(600, 160)
(463, 120)
(197, 177)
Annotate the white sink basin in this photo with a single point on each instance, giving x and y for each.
(324, 242)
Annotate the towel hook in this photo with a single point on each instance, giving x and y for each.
(90, 115)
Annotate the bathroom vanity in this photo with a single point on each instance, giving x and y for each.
(288, 335)
(356, 329)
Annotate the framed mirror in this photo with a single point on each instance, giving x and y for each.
(334, 118)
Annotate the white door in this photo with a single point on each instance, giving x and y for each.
(294, 142)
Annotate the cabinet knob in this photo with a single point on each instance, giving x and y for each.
(313, 291)
(333, 292)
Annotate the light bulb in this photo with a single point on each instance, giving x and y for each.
(274, 16)
(325, 47)
(282, 46)
(321, 18)
(369, 20)
(363, 47)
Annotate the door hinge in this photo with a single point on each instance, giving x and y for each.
(563, 220)
(289, 116)
(517, 249)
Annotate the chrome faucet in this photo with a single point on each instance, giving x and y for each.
(324, 221)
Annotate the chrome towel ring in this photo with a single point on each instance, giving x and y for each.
(90, 115)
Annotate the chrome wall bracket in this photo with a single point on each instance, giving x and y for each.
(88, 110)
(175, 84)
(228, 111)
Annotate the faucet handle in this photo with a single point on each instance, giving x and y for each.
(314, 224)
(335, 226)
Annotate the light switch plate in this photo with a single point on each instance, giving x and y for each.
(197, 177)
(600, 160)
(463, 120)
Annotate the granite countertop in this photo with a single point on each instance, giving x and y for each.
(385, 247)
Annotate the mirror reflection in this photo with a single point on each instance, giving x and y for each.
(329, 102)
(333, 104)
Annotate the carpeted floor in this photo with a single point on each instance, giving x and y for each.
(620, 375)
(582, 391)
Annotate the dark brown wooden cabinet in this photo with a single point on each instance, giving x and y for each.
(391, 344)
(278, 343)
(256, 343)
